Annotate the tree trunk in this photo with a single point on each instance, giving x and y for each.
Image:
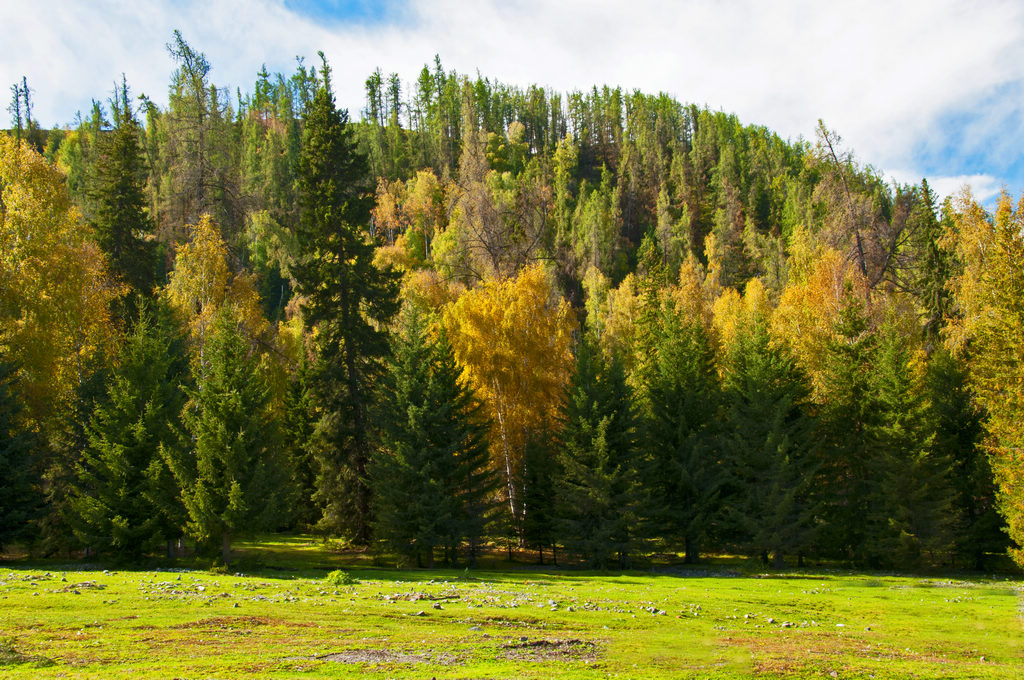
(225, 547)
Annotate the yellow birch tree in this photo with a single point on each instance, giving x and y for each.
(55, 296)
(512, 338)
(989, 328)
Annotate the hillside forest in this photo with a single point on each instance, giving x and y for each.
(598, 326)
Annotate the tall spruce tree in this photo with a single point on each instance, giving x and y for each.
(909, 498)
(769, 445)
(850, 415)
(959, 425)
(117, 190)
(684, 469)
(232, 482)
(431, 478)
(298, 428)
(123, 496)
(20, 494)
(599, 484)
(348, 300)
(541, 473)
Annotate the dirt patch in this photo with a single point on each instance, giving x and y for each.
(789, 654)
(224, 622)
(549, 649)
(378, 656)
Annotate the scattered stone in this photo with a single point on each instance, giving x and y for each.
(475, 628)
(437, 605)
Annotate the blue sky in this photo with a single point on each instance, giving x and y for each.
(926, 88)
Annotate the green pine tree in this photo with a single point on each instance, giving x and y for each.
(123, 499)
(910, 499)
(599, 484)
(770, 446)
(298, 429)
(541, 473)
(433, 486)
(959, 425)
(231, 480)
(20, 494)
(348, 300)
(684, 470)
(850, 418)
(117, 191)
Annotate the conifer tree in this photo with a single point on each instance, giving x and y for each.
(121, 220)
(541, 473)
(123, 498)
(430, 472)
(769, 446)
(933, 262)
(298, 429)
(231, 479)
(348, 300)
(850, 413)
(20, 494)
(959, 425)
(909, 496)
(598, 487)
(684, 471)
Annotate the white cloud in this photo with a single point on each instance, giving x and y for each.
(983, 187)
(881, 72)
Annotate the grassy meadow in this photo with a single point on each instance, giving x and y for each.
(288, 614)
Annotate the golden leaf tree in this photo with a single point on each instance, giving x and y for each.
(512, 337)
(55, 297)
(201, 284)
(989, 330)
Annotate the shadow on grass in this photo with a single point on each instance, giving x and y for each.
(280, 556)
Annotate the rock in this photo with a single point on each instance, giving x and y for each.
(437, 605)
(419, 613)
(475, 628)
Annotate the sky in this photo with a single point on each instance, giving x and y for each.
(915, 88)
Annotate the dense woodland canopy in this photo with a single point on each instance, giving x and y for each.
(600, 325)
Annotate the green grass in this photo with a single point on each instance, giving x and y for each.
(288, 619)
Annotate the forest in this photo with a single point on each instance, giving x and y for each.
(598, 326)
